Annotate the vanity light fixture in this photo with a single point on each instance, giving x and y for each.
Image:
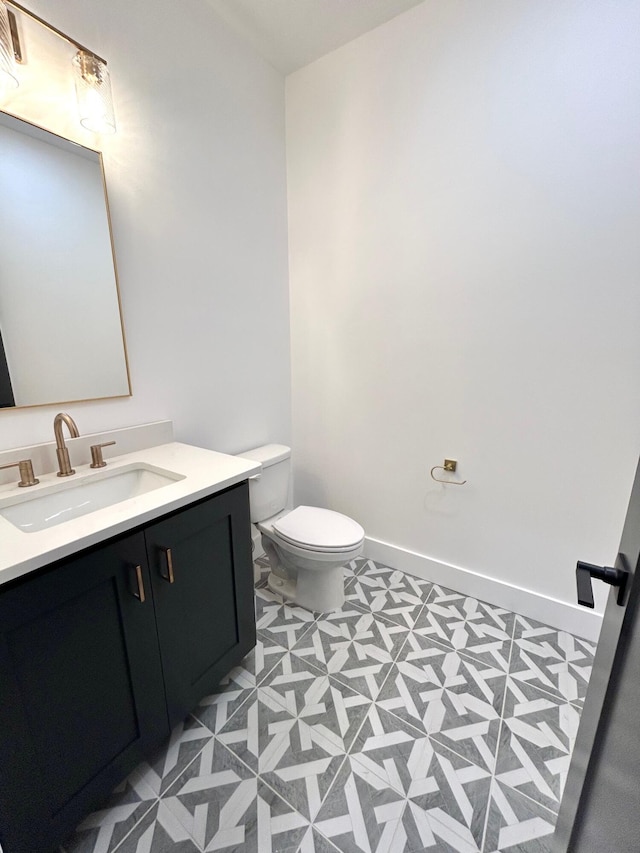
(92, 81)
(8, 73)
(93, 91)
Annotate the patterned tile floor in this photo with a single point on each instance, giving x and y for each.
(414, 719)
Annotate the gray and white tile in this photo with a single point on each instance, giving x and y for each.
(457, 700)
(364, 814)
(396, 595)
(167, 763)
(159, 832)
(451, 791)
(536, 742)
(373, 729)
(104, 829)
(361, 813)
(292, 755)
(552, 660)
(224, 806)
(236, 687)
(261, 569)
(516, 824)
(355, 647)
(282, 623)
(353, 568)
(432, 830)
(314, 842)
(362, 564)
(475, 627)
(333, 710)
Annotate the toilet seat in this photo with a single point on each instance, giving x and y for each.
(312, 528)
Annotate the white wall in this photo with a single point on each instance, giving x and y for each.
(197, 191)
(464, 203)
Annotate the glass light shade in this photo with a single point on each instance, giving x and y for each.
(8, 72)
(93, 91)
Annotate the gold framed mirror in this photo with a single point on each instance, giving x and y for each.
(61, 329)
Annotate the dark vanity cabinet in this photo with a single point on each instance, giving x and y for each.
(204, 609)
(101, 653)
(82, 691)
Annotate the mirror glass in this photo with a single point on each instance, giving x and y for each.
(61, 334)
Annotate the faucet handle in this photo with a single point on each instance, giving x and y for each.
(26, 472)
(96, 454)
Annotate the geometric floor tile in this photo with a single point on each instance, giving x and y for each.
(224, 806)
(551, 660)
(481, 630)
(237, 686)
(333, 710)
(432, 830)
(104, 829)
(159, 832)
(357, 647)
(450, 791)
(314, 842)
(516, 824)
(293, 756)
(391, 749)
(399, 596)
(167, 763)
(360, 565)
(281, 623)
(455, 699)
(261, 570)
(353, 568)
(536, 742)
(389, 726)
(361, 813)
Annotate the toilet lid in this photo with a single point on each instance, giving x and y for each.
(321, 529)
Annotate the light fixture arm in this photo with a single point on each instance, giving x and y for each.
(54, 30)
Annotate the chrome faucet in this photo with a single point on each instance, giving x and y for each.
(61, 449)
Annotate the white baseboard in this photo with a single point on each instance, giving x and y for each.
(566, 617)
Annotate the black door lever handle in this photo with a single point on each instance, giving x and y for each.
(586, 571)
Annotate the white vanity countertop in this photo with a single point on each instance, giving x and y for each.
(204, 472)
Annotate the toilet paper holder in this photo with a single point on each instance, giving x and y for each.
(449, 466)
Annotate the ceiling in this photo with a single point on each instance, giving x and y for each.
(293, 33)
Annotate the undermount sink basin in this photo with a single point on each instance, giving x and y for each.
(63, 501)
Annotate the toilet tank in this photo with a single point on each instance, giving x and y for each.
(269, 490)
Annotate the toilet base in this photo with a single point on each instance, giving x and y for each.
(319, 592)
(285, 588)
(313, 582)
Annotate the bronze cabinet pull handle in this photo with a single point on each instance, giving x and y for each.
(140, 595)
(169, 576)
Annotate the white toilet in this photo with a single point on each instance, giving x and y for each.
(307, 547)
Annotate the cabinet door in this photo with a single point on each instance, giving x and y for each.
(202, 577)
(82, 693)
